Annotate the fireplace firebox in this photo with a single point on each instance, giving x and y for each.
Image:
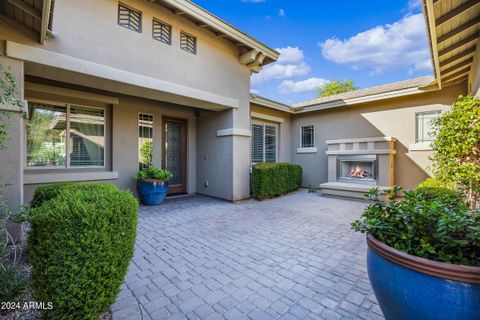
(357, 169)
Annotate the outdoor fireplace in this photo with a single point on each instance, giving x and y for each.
(357, 169)
(358, 164)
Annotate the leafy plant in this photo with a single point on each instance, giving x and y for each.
(153, 173)
(335, 87)
(457, 145)
(146, 152)
(273, 179)
(12, 283)
(435, 183)
(80, 245)
(312, 189)
(438, 227)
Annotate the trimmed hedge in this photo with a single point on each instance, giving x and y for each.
(80, 245)
(273, 179)
(50, 191)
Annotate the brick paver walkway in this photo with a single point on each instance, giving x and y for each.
(289, 258)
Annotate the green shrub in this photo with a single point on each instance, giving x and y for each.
(273, 179)
(49, 191)
(153, 172)
(439, 227)
(457, 146)
(80, 244)
(435, 183)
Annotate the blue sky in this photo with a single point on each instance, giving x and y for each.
(371, 42)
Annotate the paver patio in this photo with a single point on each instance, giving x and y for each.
(293, 257)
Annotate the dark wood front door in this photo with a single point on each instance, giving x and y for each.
(174, 153)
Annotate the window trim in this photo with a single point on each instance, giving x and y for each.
(277, 139)
(191, 36)
(313, 136)
(133, 9)
(138, 134)
(419, 142)
(165, 24)
(67, 153)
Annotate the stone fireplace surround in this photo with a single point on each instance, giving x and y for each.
(367, 163)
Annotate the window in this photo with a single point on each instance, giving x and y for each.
(424, 126)
(188, 43)
(129, 18)
(145, 140)
(65, 136)
(161, 31)
(264, 143)
(307, 137)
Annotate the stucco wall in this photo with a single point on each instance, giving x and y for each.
(395, 117)
(267, 115)
(11, 158)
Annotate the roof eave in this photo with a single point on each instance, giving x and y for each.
(427, 8)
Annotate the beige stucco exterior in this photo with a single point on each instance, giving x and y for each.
(392, 117)
(144, 75)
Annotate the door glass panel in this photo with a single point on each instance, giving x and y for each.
(173, 151)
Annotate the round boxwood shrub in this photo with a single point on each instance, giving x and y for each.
(80, 245)
(50, 191)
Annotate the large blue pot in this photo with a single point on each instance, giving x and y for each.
(152, 192)
(413, 288)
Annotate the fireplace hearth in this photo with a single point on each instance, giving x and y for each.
(356, 165)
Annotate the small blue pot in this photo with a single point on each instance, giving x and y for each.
(412, 288)
(152, 192)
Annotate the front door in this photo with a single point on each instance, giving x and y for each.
(175, 153)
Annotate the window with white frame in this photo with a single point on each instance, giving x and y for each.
(424, 126)
(264, 143)
(307, 137)
(145, 140)
(65, 135)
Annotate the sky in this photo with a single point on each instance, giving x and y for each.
(370, 42)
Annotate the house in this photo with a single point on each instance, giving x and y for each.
(171, 75)
(99, 79)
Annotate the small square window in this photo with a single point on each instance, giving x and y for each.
(129, 18)
(424, 126)
(307, 137)
(162, 31)
(188, 43)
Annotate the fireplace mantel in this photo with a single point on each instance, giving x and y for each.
(381, 149)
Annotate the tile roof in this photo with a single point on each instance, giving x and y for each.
(389, 87)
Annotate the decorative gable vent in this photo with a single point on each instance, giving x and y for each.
(129, 18)
(162, 31)
(188, 43)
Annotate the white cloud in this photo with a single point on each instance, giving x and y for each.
(281, 13)
(290, 54)
(254, 1)
(402, 44)
(290, 64)
(414, 5)
(289, 86)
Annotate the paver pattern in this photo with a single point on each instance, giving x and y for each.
(293, 257)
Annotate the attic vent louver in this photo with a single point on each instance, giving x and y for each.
(188, 43)
(129, 18)
(162, 31)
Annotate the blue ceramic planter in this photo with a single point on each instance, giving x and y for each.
(152, 192)
(413, 288)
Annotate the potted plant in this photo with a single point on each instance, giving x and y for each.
(423, 257)
(152, 185)
(15, 225)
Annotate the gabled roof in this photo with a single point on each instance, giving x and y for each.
(453, 27)
(253, 53)
(385, 91)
